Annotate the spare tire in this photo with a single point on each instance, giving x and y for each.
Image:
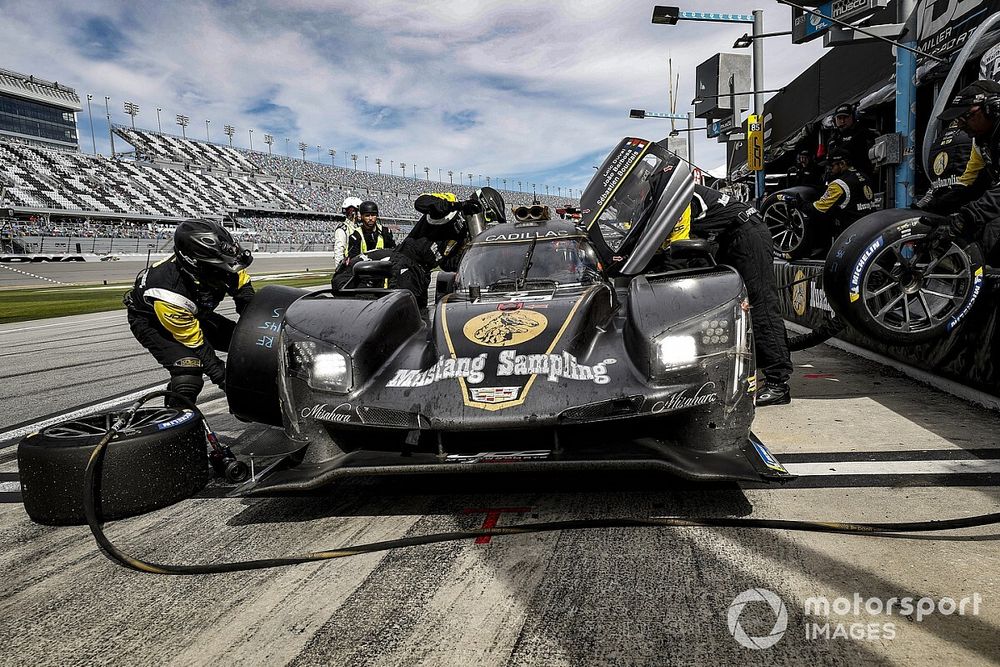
(793, 235)
(881, 278)
(252, 364)
(158, 459)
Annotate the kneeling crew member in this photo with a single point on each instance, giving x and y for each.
(745, 244)
(848, 196)
(171, 308)
(370, 235)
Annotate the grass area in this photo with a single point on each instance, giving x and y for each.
(35, 303)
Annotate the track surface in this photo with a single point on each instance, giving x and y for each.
(641, 597)
(42, 274)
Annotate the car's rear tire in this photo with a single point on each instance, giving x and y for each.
(159, 459)
(881, 278)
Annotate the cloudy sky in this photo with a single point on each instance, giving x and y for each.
(532, 91)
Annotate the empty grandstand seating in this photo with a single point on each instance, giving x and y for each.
(156, 147)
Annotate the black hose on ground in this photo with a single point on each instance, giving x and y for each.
(830, 327)
(93, 474)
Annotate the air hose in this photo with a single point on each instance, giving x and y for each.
(830, 327)
(93, 474)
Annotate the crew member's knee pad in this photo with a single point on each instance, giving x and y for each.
(188, 382)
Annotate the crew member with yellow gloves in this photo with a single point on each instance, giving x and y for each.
(171, 308)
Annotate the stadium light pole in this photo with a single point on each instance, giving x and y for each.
(183, 121)
(487, 181)
(440, 177)
(251, 138)
(90, 115)
(269, 140)
(354, 159)
(132, 109)
(505, 184)
(427, 174)
(333, 156)
(159, 127)
(414, 165)
(286, 147)
(460, 178)
(366, 163)
(402, 167)
(208, 137)
(302, 148)
(378, 165)
(319, 158)
(663, 15)
(519, 186)
(229, 131)
(392, 167)
(470, 180)
(111, 134)
(451, 180)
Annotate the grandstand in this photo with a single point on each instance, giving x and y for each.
(274, 200)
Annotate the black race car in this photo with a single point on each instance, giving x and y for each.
(548, 347)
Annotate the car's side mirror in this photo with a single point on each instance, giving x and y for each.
(445, 284)
(692, 249)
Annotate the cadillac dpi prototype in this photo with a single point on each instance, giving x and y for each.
(551, 346)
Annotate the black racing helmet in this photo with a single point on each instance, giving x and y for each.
(492, 203)
(207, 249)
(368, 207)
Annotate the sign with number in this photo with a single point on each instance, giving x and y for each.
(755, 143)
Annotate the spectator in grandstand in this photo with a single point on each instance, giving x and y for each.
(370, 235)
(850, 135)
(171, 308)
(343, 233)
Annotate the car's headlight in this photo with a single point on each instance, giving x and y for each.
(321, 365)
(697, 340)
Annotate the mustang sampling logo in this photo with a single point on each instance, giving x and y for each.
(509, 364)
(505, 327)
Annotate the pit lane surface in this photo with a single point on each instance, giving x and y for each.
(872, 445)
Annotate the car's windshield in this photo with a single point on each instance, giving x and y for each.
(502, 265)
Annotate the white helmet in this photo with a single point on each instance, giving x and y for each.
(350, 202)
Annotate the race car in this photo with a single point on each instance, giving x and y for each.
(550, 346)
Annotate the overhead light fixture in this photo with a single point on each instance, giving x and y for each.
(743, 42)
(663, 15)
(637, 113)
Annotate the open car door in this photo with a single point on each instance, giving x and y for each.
(633, 202)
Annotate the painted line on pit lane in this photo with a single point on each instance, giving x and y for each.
(62, 324)
(950, 467)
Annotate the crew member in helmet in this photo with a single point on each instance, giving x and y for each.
(370, 234)
(171, 308)
(343, 232)
(973, 204)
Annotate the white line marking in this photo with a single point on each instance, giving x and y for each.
(10, 487)
(82, 412)
(950, 467)
(63, 324)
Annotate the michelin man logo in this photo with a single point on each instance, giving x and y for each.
(780, 620)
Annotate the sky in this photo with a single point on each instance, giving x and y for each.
(531, 91)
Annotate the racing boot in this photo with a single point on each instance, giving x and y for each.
(774, 393)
